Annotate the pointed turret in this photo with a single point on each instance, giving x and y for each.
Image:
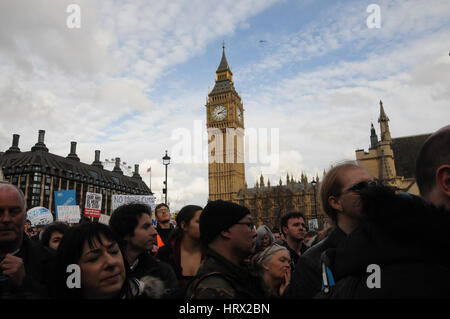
(261, 179)
(383, 116)
(373, 137)
(223, 66)
(384, 125)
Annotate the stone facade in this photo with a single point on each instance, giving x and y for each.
(392, 160)
(225, 126)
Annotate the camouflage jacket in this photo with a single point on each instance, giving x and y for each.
(218, 278)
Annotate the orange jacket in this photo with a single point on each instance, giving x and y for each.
(159, 241)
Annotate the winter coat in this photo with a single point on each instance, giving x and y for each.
(171, 254)
(164, 233)
(150, 266)
(306, 279)
(218, 278)
(389, 255)
(37, 261)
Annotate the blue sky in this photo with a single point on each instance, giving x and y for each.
(137, 73)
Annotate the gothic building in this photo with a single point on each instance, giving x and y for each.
(226, 167)
(225, 127)
(269, 202)
(392, 161)
(38, 173)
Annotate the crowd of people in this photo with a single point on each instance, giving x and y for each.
(217, 252)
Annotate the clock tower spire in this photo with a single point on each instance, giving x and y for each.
(225, 126)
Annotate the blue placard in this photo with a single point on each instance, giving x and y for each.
(65, 198)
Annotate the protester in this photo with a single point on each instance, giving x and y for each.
(264, 238)
(23, 262)
(27, 227)
(133, 226)
(342, 204)
(183, 252)
(276, 234)
(433, 168)
(384, 257)
(104, 273)
(274, 265)
(228, 234)
(294, 229)
(53, 234)
(164, 226)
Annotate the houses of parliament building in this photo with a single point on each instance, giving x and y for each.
(388, 160)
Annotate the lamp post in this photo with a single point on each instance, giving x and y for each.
(166, 162)
(314, 183)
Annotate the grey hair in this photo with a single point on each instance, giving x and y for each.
(265, 257)
(260, 232)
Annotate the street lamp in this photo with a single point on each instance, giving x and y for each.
(314, 183)
(166, 162)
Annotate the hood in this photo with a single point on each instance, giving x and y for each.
(395, 228)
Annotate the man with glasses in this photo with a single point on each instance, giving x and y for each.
(228, 236)
(339, 195)
(386, 257)
(164, 227)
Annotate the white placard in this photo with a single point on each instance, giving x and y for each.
(119, 200)
(313, 224)
(104, 219)
(93, 205)
(39, 216)
(69, 214)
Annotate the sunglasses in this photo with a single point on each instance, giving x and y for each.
(357, 188)
(250, 225)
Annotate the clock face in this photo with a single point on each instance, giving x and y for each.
(239, 115)
(219, 112)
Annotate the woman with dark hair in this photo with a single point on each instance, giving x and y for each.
(92, 248)
(53, 234)
(183, 252)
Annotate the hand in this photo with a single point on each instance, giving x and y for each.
(286, 281)
(12, 267)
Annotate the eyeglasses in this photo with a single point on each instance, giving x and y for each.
(357, 188)
(250, 225)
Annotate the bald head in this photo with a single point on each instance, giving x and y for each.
(13, 188)
(433, 167)
(12, 218)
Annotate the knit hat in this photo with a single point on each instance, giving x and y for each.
(217, 216)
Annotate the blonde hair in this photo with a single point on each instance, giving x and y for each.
(331, 185)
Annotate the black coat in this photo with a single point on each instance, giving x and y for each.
(406, 237)
(306, 279)
(218, 278)
(37, 261)
(150, 266)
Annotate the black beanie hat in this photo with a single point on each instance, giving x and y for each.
(217, 216)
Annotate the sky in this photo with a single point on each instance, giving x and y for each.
(133, 79)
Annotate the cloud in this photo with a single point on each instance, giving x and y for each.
(115, 85)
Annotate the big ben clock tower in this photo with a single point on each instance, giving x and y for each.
(225, 125)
